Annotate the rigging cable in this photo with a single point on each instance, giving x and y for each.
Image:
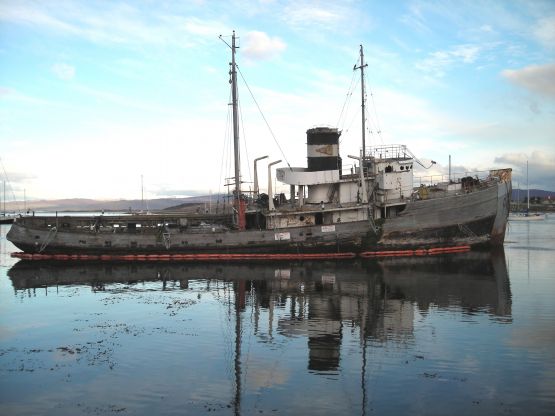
(356, 84)
(367, 115)
(377, 123)
(263, 117)
(224, 161)
(355, 117)
(6, 179)
(244, 138)
(355, 80)
(371, 117)
(347, 101)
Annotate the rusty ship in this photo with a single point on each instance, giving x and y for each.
(372, 205)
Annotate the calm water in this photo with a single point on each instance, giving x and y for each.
(458, 334)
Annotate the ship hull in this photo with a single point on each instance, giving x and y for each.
(344, 238)
(479, 217)
(475, 218)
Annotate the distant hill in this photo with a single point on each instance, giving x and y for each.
(83, 204)
(196, 200)
(173, 204)
(521, 194)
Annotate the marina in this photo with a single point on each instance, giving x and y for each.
(526, 215)
(454, 332)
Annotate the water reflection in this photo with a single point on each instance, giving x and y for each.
(380, 297)
(285, 321)
(474, 282)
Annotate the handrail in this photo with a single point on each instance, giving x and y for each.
(444, 178)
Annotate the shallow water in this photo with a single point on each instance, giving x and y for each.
(468, 333)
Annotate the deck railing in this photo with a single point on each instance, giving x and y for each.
(430, 180)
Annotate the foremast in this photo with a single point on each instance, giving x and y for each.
(239, 204)
(236, 153)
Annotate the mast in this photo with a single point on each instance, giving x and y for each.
(363, 105)
(517, 196)
(240, 205)
(236, 153)
(527, 189)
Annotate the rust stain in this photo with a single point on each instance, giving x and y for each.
(325, 150)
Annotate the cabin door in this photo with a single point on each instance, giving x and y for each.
(319, 218)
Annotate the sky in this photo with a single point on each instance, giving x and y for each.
(111, 99)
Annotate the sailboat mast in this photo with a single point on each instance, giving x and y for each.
(527, 189)
(363, 105)
(235, 119)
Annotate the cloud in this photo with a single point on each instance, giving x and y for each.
(545, 31)
(176, 193)
(19, 176)
(541, 168)
(63, 71)
(535, 78)
(468, 53)
(15, 180)
(486, 29)
(437, 63)
(415, 19)
(258, 45)
(11, 94)
(305, 15)
(112, 23)
(539, 160)
(23, 13)
(124, 101)
(4, 91)
(312, 14)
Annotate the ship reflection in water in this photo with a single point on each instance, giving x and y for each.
(283, 322)
(473, 282)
